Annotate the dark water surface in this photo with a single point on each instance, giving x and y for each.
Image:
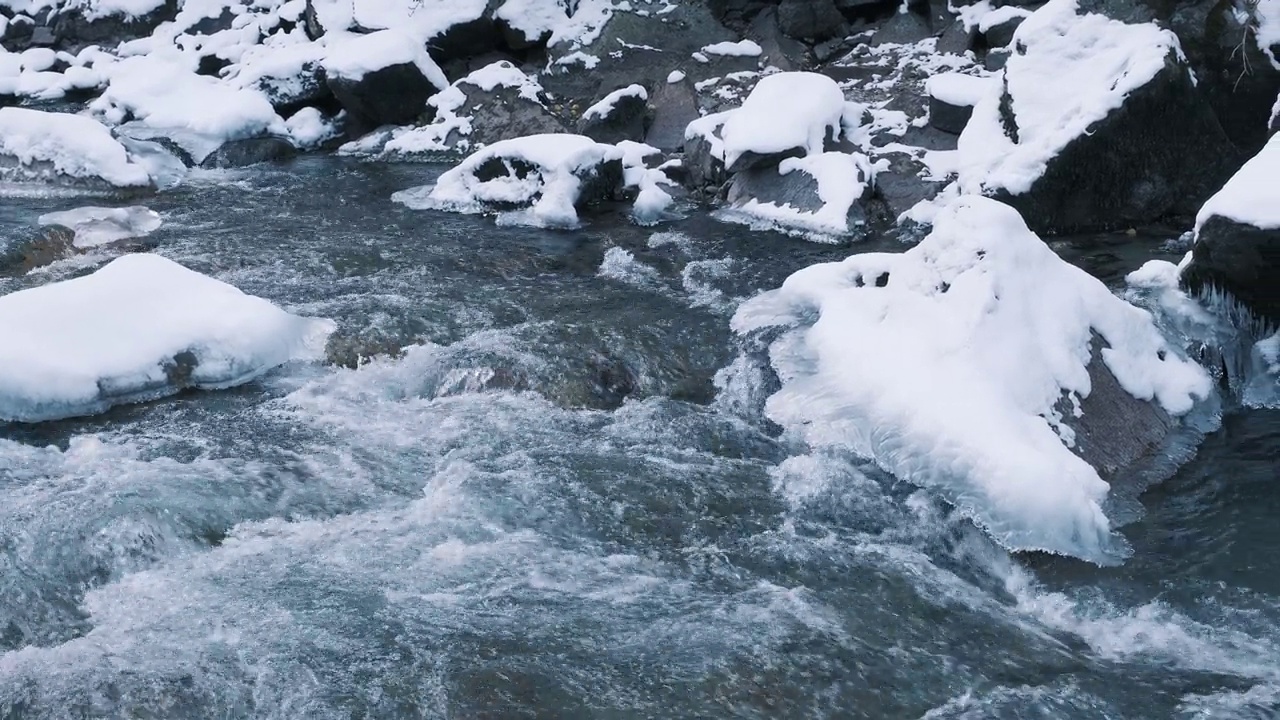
(550, 507)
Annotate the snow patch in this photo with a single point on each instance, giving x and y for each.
(605, 107)
(784, 111)
(742, 48)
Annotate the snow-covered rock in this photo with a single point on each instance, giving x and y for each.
(95, 226)
(65, 149)
(383, 78)
(1093, 126)
(141, 328)
(786, 115)
(1237, 248)
(818, 196)
(497, 102)
(540, 180)
(952, 97)
(620, 115)
(973, 365)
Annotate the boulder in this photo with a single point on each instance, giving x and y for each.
(779, 51)
(810, 19)
(621, 115)
(904, 28)
(674, 105)
(66, 150)
(1237, 246)
(1098, 141)
(384, 78)
(249, 151)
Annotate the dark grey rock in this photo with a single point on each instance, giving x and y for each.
(811, 19)
(947, 117)
(249, 151)
(1238, 259)
(780, 51)
(674, 106)
(796, 189)
(956, 39)
(1115, 431)
(1001, 34)
(902, 28)
(704, 172)
(901, 185)
(503, 113)
(996, 59)
(628, 119)
(393, 95)
(1132, 166)
(290, 94)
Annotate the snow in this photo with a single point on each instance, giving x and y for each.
(945, 363)
(652, 201)
(604, 108)
(95, 226)
(1252, 195)
(358, 55)
(676, 76)
(75, 146)
(1267, 35)
(785, 111)
(743, 48)
(959, 89)
(308, 128)
(422, 19)
(550, 191)
(80, 346)
(533, 18)
(166, 95)
(843, 179)
(1075, 70)
(999, 16)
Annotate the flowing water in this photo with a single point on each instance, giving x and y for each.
(552, 506)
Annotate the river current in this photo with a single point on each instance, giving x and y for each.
(563, 501)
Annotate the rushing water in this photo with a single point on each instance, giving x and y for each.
(551, 507)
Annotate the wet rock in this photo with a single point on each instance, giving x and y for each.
(51, 244)
(249, 151)
(393, 95)
(1238, 259)
(1115, 431)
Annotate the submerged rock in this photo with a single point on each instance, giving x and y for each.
(249, 151)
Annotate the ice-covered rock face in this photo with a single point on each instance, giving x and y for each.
(68, 150)
(949, 365)
(538, 180)
(1237, 248)
(1093, 126)
(141, 328)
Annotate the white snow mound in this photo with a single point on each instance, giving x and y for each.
(45, 145)
(141, 328)
(785, 111)
(944, 365)
(1069, 72)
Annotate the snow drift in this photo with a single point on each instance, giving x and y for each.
(141, 328)
(960, 366)
(40, 146)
